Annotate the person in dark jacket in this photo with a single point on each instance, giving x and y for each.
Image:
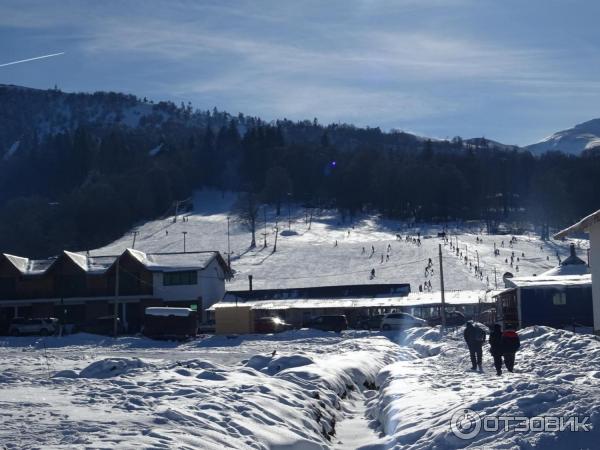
(496, 347)
(510, 345)
(474, 337)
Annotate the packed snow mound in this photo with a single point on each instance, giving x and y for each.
(111, 367)
(287, 362)
(68, 373)
(555, 375)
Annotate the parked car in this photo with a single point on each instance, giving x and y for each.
(328, 323)
(399, 320)
(271, 325)
(371, 323)
(21, 326)
(453, 319)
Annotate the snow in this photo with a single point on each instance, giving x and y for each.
(554, 375)
(583, 136)
(11, 150)
(290, 400)
(166, 312)
(551, 281)
(412, 299)
(156, 150)
(310, 257)
(303, 389)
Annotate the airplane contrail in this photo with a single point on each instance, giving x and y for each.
(31, 59)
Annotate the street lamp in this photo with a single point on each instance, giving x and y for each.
(228, 246)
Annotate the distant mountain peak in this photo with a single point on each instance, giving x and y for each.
(574, 141)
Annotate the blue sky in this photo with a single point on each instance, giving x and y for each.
(514, 71)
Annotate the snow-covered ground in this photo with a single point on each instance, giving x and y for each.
(302, 389)
(317, 391)
(310, 257)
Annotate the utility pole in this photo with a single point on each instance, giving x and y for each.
(135, 233)
(116, 308)
(289, 211)
(184, 233)
(265, 233)
(276, 234)
(495, 278)
(228, 246)
(442, 286)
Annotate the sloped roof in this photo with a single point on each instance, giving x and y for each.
(95, 265)
(557, 281)
(583, 225)
(18, 262)
(569, 269)
(169, 262)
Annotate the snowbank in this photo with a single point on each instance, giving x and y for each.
(111, 367)
(555, 375)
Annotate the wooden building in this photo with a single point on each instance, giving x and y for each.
(78, 288)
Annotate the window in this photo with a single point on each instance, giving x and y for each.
(559, 298)
(180, 278)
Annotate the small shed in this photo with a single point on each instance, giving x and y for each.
(170, 323)
(559, 301)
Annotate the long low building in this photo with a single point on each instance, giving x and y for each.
(78, 288)
(238, 310)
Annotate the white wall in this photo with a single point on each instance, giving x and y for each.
(595, 269)
(210, 287)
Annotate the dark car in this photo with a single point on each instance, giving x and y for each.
(371, 323)
(271, 325)
(329, 323)
(453, 319)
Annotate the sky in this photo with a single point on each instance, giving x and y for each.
(513, 71)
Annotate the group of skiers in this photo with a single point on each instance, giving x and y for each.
(503, 346)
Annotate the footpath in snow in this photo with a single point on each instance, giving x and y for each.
(557, 374)
(296, 390)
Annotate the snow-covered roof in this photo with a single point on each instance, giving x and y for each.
(96, 265)
(169, 262)
(569, 269)
(583, 225)
(550, 281)
(412, 299)
(167, 311)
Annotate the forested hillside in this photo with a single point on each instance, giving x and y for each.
(78, 170)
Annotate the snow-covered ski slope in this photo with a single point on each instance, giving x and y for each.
(310, 257)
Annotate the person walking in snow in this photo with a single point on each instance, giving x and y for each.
(363, 251)
(496, 348)
(372, 273)
(474, 337)
(510, 345)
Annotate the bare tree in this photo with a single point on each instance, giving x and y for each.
(246, 212)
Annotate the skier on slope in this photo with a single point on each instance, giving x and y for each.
(474, 337)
